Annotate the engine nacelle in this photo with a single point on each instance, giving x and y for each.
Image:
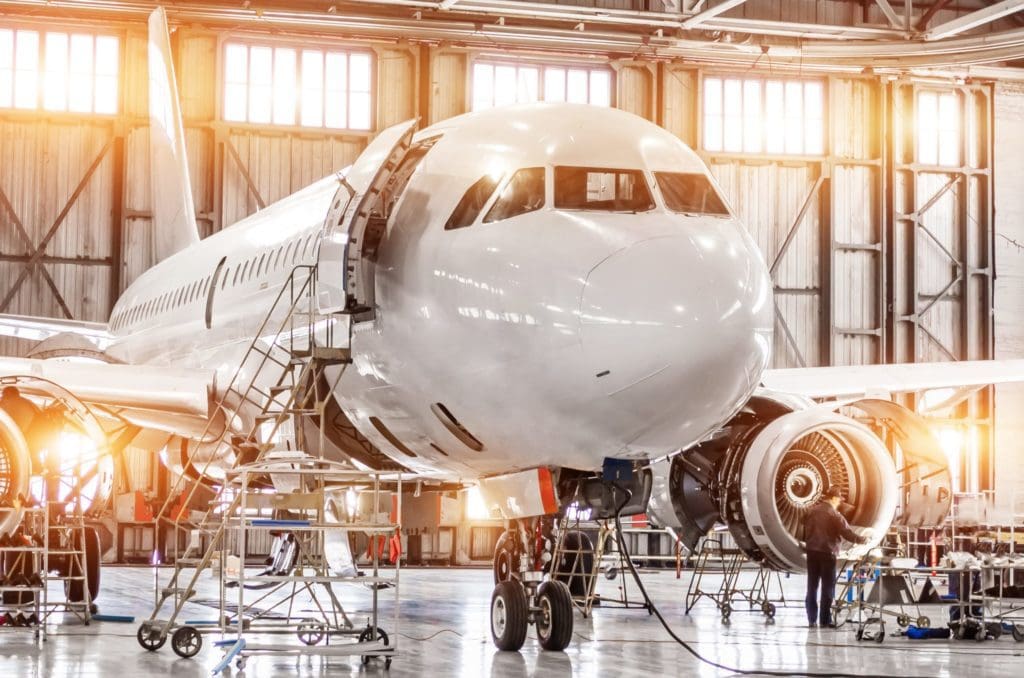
(15, 467)
(760, 474)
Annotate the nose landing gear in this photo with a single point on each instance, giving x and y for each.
(515, 605)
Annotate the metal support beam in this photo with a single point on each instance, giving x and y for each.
(930, 13)
(889, 12)
(711, 13)
(974, 19)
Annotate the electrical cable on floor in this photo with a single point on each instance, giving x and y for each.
(686, 646)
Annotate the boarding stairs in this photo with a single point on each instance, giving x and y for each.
(281, 379)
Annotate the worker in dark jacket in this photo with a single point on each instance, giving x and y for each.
(824, 527)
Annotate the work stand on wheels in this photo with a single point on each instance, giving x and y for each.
(723, 567)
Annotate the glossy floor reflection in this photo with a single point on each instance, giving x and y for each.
(445, 632)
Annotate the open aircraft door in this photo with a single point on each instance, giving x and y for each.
(355, 225)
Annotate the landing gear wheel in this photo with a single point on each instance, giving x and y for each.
(726, 610)
(149, 636)
(507, 553)
(367, 636)
(310, 632)
(509, 615)
(924, 622)
(186, 642)
(768, 609)
(554, 618)
(903, 620)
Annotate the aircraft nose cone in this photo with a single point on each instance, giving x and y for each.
(676, 331)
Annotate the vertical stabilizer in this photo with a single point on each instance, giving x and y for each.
(174, 215)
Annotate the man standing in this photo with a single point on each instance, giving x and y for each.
(824, 526)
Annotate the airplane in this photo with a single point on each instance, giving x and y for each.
(554, 302)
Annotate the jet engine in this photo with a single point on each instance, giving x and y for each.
(15, 466)
(760, 473)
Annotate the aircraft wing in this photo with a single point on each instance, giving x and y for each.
(167, 390)
(38, 329)
(870, 380)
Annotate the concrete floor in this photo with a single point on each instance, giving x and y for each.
(445, 632)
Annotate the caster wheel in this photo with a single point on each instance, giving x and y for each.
(240, 664)
(726, 610)
(186, 642)
(860, 634)
(387, 664)
(367, 636)
(961, 631)
(310, 632)
(1018, 633)
(880, 638)
(509, 615)
(924, 623)
(611, 573)
(768, 609)
(903, 620)
(149, 636)
(995, 630)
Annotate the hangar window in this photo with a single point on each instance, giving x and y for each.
(500, 84)
(472, 202)
(609, 190)
(523, 193)
(288, 86)
(938, 129)
(58, 71)
(754, 115)
(690, 193)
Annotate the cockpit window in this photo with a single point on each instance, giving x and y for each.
(609, 190)
(523, 193)
(472, 202)
(690, 193)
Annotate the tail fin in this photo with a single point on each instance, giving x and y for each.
(174, 215)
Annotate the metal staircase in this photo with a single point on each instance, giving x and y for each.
(280, 378)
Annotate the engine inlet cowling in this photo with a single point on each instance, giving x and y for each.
(765, 469)
(15, 466)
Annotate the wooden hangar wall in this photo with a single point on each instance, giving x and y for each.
(875, 255)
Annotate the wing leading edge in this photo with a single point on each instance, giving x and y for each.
(872, 380)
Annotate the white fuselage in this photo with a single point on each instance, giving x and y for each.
(556, 338)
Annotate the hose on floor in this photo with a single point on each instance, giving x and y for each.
(689, 648)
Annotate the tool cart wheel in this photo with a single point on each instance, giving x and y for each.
(903, 620)
(509, 615)
(554, 615)
(367, 636)
(924, 622)
(186, 642)
(310, 632)
(768, 609)
(149, 637)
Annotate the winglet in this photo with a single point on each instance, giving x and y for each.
(174, 220)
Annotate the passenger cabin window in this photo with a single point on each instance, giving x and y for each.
(523, 193)
(690, 194)
(472, 202)
(606, 190)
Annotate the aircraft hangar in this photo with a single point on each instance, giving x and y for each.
(509, 337)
